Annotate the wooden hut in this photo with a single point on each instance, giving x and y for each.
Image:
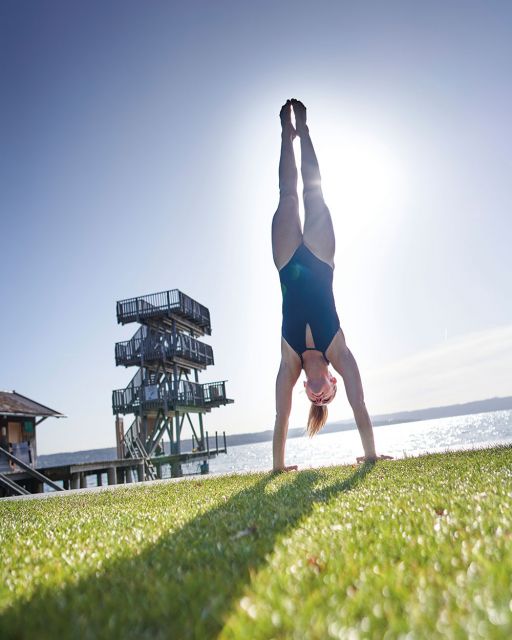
(19, 419)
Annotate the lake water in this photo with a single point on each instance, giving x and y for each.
(399, 440)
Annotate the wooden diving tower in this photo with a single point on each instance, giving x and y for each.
(165, 393)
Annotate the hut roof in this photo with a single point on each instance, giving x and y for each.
(14, 404)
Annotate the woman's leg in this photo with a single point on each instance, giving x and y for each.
(318, 229)
(286, 227)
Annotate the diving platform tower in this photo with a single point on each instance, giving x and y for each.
(165, 393)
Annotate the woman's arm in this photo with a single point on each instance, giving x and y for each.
(344, 363)
(286, 378)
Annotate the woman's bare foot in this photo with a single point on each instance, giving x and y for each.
(299, 111)
(286, 119)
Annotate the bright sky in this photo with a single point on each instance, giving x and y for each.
(140, 144)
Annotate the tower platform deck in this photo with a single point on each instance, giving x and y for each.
(154, 346)
(189, 396)
(165, 305)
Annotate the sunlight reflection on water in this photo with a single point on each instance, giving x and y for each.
(407, 439)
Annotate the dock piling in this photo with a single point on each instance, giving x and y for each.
(176, 470)
(111, 473)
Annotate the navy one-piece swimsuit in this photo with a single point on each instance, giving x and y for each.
(306, 284)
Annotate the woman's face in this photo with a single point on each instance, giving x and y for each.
(321, 390)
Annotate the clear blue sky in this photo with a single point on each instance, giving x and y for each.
(140, 143)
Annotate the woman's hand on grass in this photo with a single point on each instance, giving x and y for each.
(362, 459)
(293, 467)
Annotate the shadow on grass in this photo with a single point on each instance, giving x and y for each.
(184, 585)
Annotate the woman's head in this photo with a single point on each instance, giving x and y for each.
(321, 391)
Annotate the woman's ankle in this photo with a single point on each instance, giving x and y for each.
(288, 133)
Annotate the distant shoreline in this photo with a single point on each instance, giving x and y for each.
(235, 440)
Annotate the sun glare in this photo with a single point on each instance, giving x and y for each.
(363, 183)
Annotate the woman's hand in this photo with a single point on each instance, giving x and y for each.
(362, 459)
(293, 467)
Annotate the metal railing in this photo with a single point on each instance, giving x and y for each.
(28, 469)
(163, 303)
(130, 396)
(134, 448)
(153, 396)
(153, 345)
(12, 487)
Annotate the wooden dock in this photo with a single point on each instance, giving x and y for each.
(110, 472)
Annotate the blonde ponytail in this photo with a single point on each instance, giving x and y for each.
(317, 418)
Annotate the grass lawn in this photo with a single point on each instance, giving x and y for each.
(415, 548)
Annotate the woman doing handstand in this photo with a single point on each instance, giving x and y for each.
(311, 333)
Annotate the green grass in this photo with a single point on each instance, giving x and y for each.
(415, 548)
